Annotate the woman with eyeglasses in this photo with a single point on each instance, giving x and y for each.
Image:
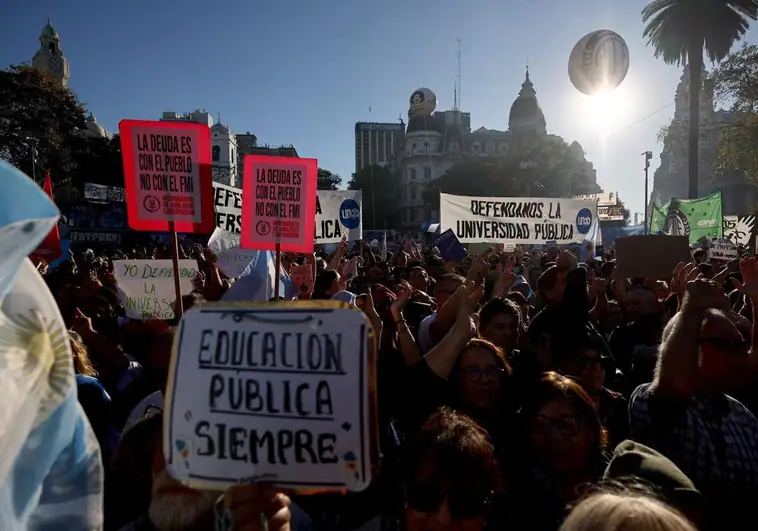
(587, 365)
(450, 478)
(563, 452)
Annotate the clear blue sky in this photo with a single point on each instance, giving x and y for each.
(303, 72)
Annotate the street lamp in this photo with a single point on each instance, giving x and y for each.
(648, 157)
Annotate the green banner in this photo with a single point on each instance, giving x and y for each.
(694, 218)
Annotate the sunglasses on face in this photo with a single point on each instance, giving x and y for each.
(477, 373)
(567, 425)
(464, 504)
(730, 345)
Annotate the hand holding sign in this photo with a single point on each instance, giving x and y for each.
(251, 504)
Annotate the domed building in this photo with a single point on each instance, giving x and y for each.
(94, 129)
(437, 142)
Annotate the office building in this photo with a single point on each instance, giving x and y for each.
(376, 143)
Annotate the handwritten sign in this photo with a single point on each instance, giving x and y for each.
(230, 258)
(276, 393)
(280, 205)
(302, 276)
(146, 287)
(723, 251)
(167, 175)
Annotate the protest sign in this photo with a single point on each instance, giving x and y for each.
(167, 175)
(449, 246)
(520, 220)
(227, 204)
(302, 276)
(146, 287)
(230, 258)
(100, 193)
(275, 393)
(338, 213)
(651, 255)
(280, 204)
(723, 251)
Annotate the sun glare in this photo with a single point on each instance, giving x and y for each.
(606, 111)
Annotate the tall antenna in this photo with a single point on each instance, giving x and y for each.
(458, 98)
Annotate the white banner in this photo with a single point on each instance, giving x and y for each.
(146, 287)
(100, 193)
(525, 220)
(338, 213)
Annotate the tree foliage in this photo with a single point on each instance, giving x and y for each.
(736, 81)
(680, 31)
(328, 180)
(380, 196)
(38, 113)
(542, 167)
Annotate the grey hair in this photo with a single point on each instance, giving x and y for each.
(608, 511)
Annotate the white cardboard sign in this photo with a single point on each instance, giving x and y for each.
(231, 259)
(146, 287)
(276, 393)
(723, 251)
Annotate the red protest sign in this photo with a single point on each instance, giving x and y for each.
(167, 175)
(278, 203)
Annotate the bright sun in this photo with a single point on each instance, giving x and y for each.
(605, 112)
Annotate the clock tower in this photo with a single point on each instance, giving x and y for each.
(49, 57)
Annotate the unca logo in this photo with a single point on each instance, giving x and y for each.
(350, 214)
(677, 223)
(584, 221)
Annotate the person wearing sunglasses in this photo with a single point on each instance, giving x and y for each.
(450, 477)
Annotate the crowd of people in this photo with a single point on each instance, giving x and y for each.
(516, 390)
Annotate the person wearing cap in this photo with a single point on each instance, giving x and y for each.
(634, 463)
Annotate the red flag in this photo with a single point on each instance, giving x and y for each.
(50, 248)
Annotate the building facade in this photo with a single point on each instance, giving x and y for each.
(434, 144)
(377, 143)
(671, 177)
(223, 144)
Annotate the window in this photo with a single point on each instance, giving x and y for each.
(427, 173)
(413, 149)
(216, 154)
(454, 146)
(413, 194)
(490, 149)
(476, 149)
(426, 147)
(413, 174)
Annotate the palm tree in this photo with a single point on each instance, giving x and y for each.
(680, 31)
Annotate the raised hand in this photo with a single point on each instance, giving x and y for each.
(398, 305)
(703, 293)
(749, 284)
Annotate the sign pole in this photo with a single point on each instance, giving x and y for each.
(179, 307)
(278, 268)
